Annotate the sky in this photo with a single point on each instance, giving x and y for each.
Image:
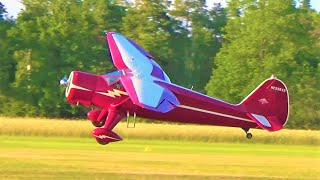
(14, 6)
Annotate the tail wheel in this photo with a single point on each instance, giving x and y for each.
(248, 135)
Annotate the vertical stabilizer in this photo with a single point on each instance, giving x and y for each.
(268, 104)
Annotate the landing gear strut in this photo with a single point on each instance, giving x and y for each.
(105, 135)
(248, 135)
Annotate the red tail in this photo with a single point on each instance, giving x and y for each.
(268, 105)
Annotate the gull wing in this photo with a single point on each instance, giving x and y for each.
(140, 73)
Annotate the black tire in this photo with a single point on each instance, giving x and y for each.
(98, 124)
(249, 135)
(101, 142)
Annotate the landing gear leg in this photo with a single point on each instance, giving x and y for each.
(112, 119)
(248, 135)
(105, 134)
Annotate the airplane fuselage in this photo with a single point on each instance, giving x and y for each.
(98, 91)
(140, 87)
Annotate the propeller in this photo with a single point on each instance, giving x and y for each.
(64, 81)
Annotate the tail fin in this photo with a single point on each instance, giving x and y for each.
(268, 104)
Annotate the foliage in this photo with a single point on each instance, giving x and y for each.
(270, 37)
(6, 63)
(152, 31)
(53, 38)
(259, 38)
(202, 28)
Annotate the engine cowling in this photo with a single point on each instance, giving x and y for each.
(81, 87)
(93, 90)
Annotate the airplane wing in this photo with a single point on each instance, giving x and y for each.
(140, 72)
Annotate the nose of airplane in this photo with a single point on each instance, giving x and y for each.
(64, 81)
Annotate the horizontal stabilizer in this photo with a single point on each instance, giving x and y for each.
(270, 123)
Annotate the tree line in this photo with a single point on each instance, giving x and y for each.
(222, 51)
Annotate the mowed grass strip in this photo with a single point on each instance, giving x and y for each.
(145, 131)
(81, 158)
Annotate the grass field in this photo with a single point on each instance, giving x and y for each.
(81, 158)
(59, 149)
(143, 131)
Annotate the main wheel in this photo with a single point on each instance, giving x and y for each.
(249, 135)
(98, 124)
(102, 142)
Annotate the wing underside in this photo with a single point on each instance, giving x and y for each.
(140, 74)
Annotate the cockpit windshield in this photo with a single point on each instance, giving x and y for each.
(113, 77)
(112, 80)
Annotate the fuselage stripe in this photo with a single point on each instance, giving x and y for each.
(214, 113)
(110, 93)
(78, 87)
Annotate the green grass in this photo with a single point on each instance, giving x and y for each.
(143, 131)
(82, 158)
(64, 149)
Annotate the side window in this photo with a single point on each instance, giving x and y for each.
(117, 85)
(114, 82)
(111, 80)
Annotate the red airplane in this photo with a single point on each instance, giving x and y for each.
(141, 88)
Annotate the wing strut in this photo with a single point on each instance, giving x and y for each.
(128, 120)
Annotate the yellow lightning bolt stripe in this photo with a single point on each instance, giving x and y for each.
(106, 137)
(113, 93)
(78, 87)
